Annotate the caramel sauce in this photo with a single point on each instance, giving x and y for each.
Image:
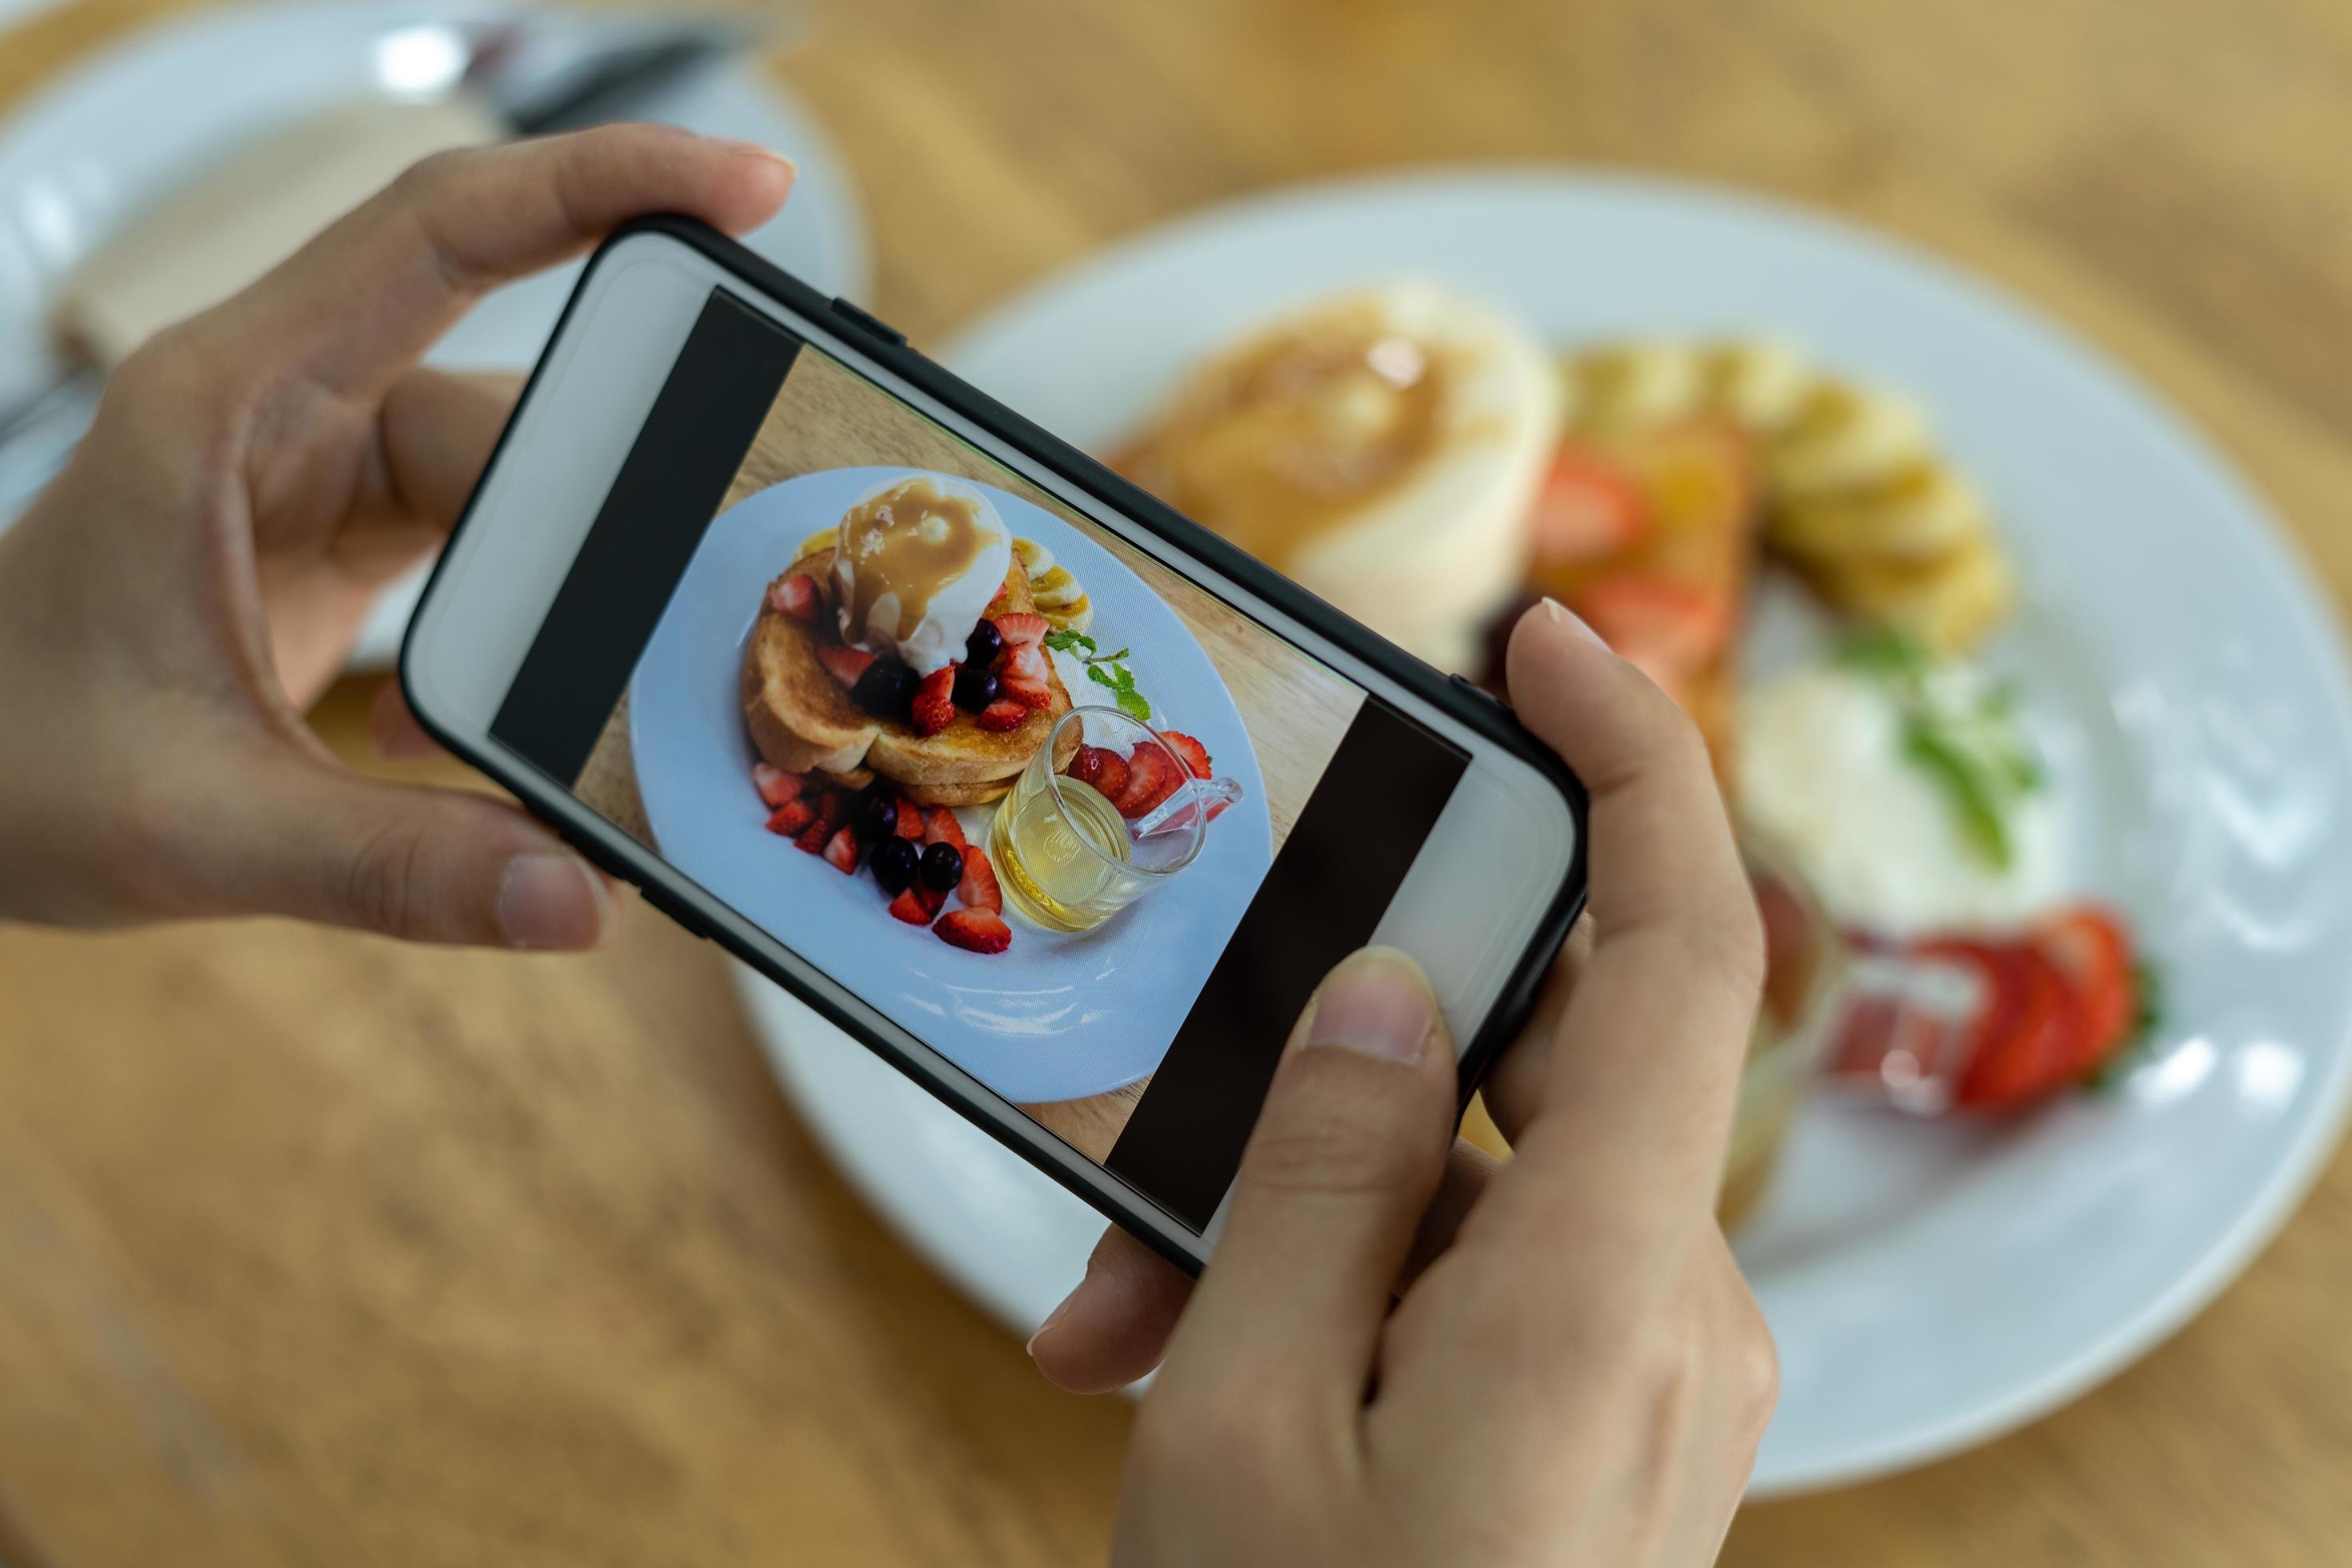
(912, 540)
(1298, 434)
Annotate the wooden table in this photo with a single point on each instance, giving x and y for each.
(317, 1250)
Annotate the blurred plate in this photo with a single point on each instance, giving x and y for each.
(77, 158)
(1929, 1286)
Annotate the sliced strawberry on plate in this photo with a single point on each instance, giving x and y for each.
(814, 836)
(2026, 1040)
(1587, 509)
(1030, 694)
(795, 595)
(841, 850)
(975, 931)
(910, 819)
(845, 663)
(1668, 629)
(1106, 770)
(1195, 755)
(791, 817)
(1004, 713)
(978, 890)
(776, 786)
(2093, 952)
(1022, 628)
(908, 906)
(934, 706)
(1023, 662)
(943, 828)
(1151, 777)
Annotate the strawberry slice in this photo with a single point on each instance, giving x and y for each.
(1667, 630)
(944, 829)
(791, 817)
(1106, 770)
(776, 786)
(2028, 1041)
(814, 836)
(1030, 694)
(1004, 713)
(2093, 952)
(908, 906)
(795, 595)
(1151, 777)
(1022, 628)
(1024, 662)
(845, 663)
(841, 850)
(1195, 755)
(832, 807)
(934, 707)
(978, 890)
(910, 819)
(1587, 510)
(975, 931)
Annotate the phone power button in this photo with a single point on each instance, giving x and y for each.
(873, 326)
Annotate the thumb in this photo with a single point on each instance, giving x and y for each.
(1348, 1151)
(422, 864)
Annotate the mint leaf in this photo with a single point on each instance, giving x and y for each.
(1068, 641)
(1101, 677)
(1972, 795)
(1131, 701)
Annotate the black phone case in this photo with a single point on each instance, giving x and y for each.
(1459, 699)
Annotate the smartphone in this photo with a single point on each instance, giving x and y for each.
(1053, 798)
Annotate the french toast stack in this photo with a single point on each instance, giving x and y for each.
(804, 719)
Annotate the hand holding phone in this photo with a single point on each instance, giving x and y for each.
(197, 573)
(1573, 1369)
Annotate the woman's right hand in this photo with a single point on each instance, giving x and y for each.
(1577, 1375)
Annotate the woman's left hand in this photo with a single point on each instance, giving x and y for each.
(198, 573)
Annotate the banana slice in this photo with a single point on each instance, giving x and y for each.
(1921, 510)
(1632, 386)
(1760, 383)
(823, 539)
(1949, 601)
(1055, 588)
(1844, 437)
(1074, 616)
(1034, 558)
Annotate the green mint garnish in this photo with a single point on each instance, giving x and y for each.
(1105, 669)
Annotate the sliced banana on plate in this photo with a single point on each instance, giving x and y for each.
(1074, 616)
(1843, 438)
(1632, 386)
(1949, 601)
(1760, 383)
(1034, 558)
(1055, 587)
(1921, 509)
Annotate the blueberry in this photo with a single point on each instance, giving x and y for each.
(942, 867)
(984, 644)
(887, 689)
(975, 687)
(893, 861)
(878, 813)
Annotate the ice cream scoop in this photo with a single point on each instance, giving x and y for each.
(916, 563)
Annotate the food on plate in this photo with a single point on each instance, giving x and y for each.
(886, 654)
(1803, 970)
(1971, 1021)
(1854, 495)
(1906, 788)
(1381, 446)
(1649, 535)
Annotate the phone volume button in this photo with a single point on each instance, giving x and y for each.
(1464, 683)
(873, 326)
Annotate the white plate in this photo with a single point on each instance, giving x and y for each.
(1929, 1287)
(1054, 1017)
(94, 147)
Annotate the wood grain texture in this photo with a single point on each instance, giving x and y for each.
(322, 1251)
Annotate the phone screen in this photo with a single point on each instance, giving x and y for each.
(1077, 824)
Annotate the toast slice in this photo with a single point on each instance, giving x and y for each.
(802, 720)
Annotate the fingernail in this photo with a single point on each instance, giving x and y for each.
(1376, 1002)
(1560, 614)
(738, 144)
(551, 901)
(1053, 1317)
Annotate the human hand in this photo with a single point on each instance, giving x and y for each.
(193, 580)
(1575, 1371)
